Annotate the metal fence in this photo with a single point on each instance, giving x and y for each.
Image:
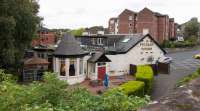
(32, 75)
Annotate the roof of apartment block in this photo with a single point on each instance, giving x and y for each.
(127, 11)
(133, 12)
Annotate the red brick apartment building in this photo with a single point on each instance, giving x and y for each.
(45, 37)
(160, 26)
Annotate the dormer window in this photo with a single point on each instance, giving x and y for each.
(126, 40)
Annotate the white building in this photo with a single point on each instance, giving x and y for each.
(73, 64)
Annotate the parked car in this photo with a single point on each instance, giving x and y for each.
(197, 56)
(165, 60)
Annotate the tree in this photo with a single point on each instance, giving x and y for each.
(18, 23)
(191, 30)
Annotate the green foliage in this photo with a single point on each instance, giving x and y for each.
(18, 22)
(198, 70)
(135, 88)
(34, 96)
(6, 77)
(53, 95)
(180, 44)
(77, 32)
(191, 29)
(145, 74)
(189, 78)
(116, 100)
(166, 44)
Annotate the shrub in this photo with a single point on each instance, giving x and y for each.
(135, 88)
(6, 77)
(145, 74)
(53, 95)
(116, 100)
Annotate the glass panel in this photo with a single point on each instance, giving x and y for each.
(101, 64)
(62, 67)
(81, 66)
(93, 68)
(72, 67)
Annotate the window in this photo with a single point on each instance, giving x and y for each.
(41, 55)
(130, 31)
(72, 67)
(99, 41)
(62, 67)
(130, 18)
(93, 41)
(130, 25)
(136, 18)
(81, 66)
(101, 64)
(112, 22)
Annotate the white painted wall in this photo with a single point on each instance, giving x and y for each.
(119, 65)
(121, 62)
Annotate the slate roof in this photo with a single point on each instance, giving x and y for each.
(36, 61)
(98, 57)
(123, 47)
(133, 40)
(113, 43)
(69, 47)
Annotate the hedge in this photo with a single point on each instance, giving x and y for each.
(145, 74)
(135, 88)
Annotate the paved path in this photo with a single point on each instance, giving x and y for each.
(183, 64)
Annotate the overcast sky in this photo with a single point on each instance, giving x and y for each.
(86, 13)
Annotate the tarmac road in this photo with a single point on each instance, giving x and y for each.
(183, 64)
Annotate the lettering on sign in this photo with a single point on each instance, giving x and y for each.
(146, 46)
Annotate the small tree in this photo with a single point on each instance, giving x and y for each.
(191, 30)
